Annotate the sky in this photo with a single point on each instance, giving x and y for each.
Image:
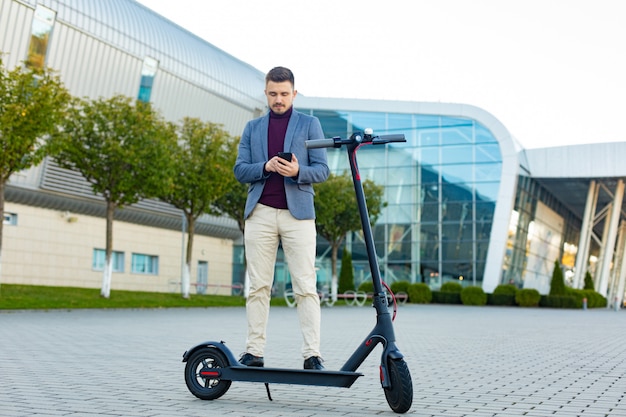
(552, 71)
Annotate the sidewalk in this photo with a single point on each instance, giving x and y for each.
(464, 361)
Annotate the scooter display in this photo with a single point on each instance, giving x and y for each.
(211, 367)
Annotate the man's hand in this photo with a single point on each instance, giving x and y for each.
(283, 167)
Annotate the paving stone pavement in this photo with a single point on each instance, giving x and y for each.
(464, 361)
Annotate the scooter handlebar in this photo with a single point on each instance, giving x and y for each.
(337, 142)
(399, 137)
(319, 143)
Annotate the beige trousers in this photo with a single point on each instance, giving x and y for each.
(264, 229)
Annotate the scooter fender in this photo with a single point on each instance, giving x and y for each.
(389, 353)
(232, 361)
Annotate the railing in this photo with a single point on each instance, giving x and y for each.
(352, 298)
(201, 288)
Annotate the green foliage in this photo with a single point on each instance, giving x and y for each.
(594, 299)
(366, 287)
(560, 301)
(346, 274)
(597, 299)
(336, 209)
(473, 296)
(419, 293)
(588, 281)
(31, 105)
(557, 285)
(232, 203)
(451, 286)
(507, 289)
(445, 297)
(449, 293)
(400, 286)
(122, 147)
(337, 213)
(201, 161)
(527, 297)
(503, 295)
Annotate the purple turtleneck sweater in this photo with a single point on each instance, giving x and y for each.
(274, 190)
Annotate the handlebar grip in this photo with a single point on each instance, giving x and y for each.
(398, 137)
(319, 143)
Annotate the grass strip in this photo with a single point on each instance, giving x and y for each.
(36, 297)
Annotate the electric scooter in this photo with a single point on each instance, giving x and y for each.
(211, 366)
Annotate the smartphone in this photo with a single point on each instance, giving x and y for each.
(285, 155)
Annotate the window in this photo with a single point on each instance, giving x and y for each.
(145, 264)
(40, 37)
(99, 256)
(10, 219)
(148, 71)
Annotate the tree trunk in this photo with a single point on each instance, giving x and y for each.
(2, 183)
(108, 263)
(186, 279)
(333, 268)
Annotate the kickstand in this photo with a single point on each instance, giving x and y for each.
(267, 388)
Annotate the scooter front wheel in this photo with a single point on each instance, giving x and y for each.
(399, 395)
(200, 374)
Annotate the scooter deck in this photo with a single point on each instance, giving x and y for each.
(285, 376)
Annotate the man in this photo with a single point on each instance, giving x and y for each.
(280, 209)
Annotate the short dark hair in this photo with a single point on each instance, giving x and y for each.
(279, 75)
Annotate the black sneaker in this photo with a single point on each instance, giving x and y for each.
(249, 359)
(314, 362)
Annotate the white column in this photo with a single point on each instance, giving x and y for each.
(605, 214)
(582, 255)
(609, 245)
(621, 280)
(618, 265)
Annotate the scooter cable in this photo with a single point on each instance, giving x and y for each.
(393, 299)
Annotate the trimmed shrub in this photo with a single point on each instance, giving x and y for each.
(557, 285)
(419, 293)
(451, 287)
(400, 286)
(594, 299)
(501, 299)
(527, 297)
(505, 289)
(588, 282)
(346, 273)
(560, 301)
(503, 295)
(441, 297)
(450, 293)
(366, 287)
(473, 296)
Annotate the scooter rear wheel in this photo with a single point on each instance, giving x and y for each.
(197, 374)
(400, 393)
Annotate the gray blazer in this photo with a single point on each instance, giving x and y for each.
(313, 164)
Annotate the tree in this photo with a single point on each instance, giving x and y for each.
(122, 148)
(588, 282)
(233, 202)
(31, 104)
(337, 213)
(557, 285)
(346, 274)
(202, 162)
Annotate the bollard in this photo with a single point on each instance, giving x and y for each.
(585, 303)
(616, 304)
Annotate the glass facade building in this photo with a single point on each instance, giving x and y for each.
(440, 186)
